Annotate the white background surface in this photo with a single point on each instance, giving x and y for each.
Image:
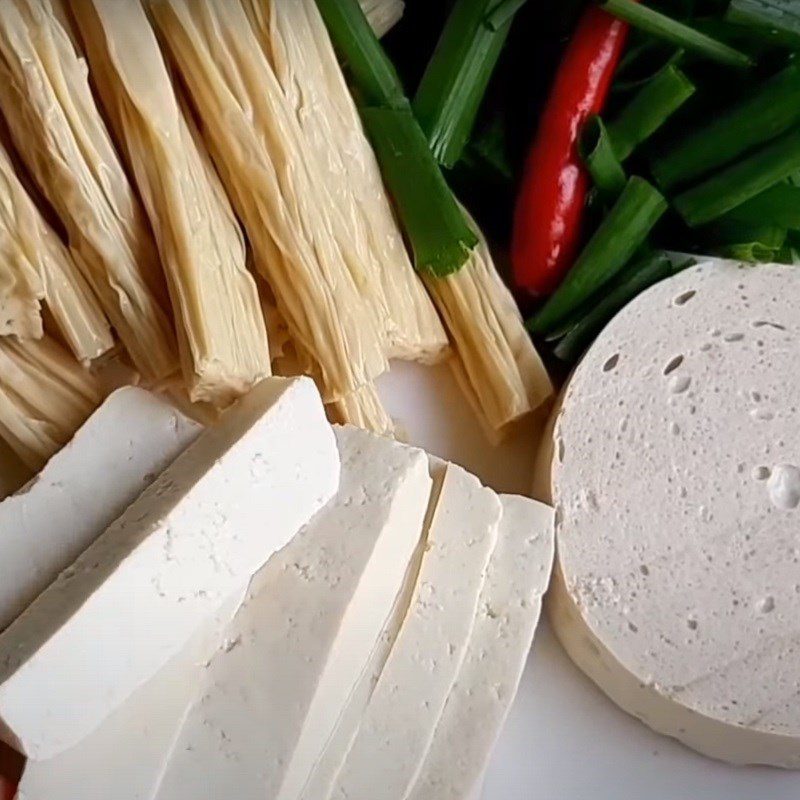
(564, 739)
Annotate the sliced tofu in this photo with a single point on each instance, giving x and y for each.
(122, 447)
(209, 522)
(508, 612)
(269, 700)
(398, 724)
(124, 757)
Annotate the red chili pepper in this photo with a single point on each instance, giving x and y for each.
(7, 789)
(552, 199)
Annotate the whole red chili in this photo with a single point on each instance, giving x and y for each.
(552, 198)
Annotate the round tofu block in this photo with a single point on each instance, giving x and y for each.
(676, 482)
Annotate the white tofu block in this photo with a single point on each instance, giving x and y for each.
(508, 612)
(124, 758)
(269, 700)
(137, 595)
(399, 722)
(117, 453)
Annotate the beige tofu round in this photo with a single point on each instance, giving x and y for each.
(676, 481)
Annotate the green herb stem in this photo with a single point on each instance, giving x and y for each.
(777, 21)
(676, 33)
(649, 109)
(779, 206)
(741, 182)
(437, 228)
(455, 81)
(768, 112)
(624, 229)
(597, 152)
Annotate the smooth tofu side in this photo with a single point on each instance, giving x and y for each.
(506, 619)
(131, 438)
(298, 645)
(398, 724)
(123, 758)
(209, 522)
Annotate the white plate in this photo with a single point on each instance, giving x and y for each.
(564, 740)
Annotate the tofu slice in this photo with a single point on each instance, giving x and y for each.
(508, 612)
(126, 442)
(124, 757)
(269, 700)
(397, 727)
(209, 522)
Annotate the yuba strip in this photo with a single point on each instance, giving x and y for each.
(495, 361)
(279, 192)
(45, 396)
(383, 15)
(221, 332)
(63, 140)
(296, 41)
(362, 408)
(31, 253)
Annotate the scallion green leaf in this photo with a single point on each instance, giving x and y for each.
(772, 109)
(619, 236)
(649, 109)
(778, 21)
(676, 33)
(597, 152)
(779, 206)
(741, 182)
(438, 231)
(455, 81)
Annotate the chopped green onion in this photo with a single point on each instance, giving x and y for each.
(597, 152)
(438, 231)
(373, 72)
(649, 109)
(455, 81)
(768, 112)
(741, 182)
(503, 13)
(677, 33)
(435, 225)
(631, 282)
(727, 232)
(778, 21)
(619, 236)
(753, 252)
(779, 205)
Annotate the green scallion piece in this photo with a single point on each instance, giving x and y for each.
(639, 275)
(740, 182)
(755, 252)
(455, 81)
(779, 206)
(778, 21)
(597, 152)
(768, 112)
(436, 228)
(618, 237)
(438, 231)
(676, 33)
(503, 12)
(649, 109)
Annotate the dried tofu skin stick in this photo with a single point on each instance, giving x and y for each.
(260, 150)
(362, 408)
(221, 331)
(45, 396)
(62, 138)
(495, 360)
(383, 15)
(30, 246)
(294, 38)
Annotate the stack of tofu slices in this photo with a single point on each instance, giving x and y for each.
(271, 607)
